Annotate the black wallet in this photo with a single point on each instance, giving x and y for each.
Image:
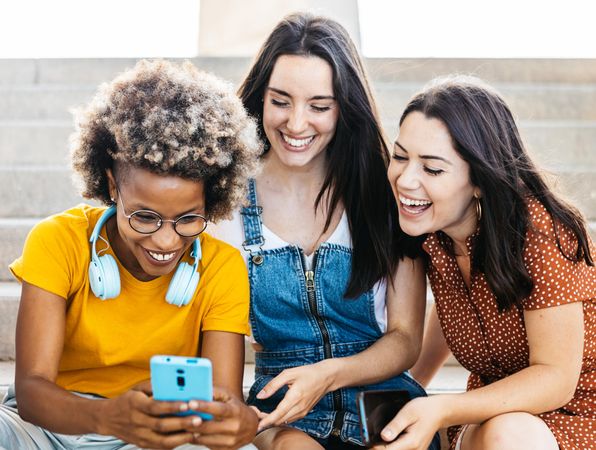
(377, 409)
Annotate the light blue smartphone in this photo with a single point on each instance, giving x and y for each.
(181, 378)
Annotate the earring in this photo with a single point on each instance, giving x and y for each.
(478, 208)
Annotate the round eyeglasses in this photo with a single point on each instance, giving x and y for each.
(145, 221)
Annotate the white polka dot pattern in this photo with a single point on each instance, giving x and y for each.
(493, 345)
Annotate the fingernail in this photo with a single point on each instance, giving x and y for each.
(261, 394)
(183, 407)
(388, 434)
(193, 404)
(196, 421)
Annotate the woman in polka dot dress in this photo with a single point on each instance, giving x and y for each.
(511, 268)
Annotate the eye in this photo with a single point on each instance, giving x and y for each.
(399, 157)
(278, 103)
(191, 218)
(146, 217)
(320, 108)
(433, 172)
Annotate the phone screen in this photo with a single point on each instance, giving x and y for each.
(377, 409)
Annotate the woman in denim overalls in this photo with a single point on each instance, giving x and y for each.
(321, 240)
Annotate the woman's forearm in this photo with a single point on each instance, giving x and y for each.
(434, 350)
(47, 405)
(535, 389)
(392, 354)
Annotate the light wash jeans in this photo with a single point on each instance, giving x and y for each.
(17, 434)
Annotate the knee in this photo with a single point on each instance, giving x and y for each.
(286, 439)
(513, 431)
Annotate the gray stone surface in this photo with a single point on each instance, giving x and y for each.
(535, 102)
(36, 191)
(12, 237)
(449, 379)
(555, 101)
(9, 304)
(528, 102)
(35, 142)
(579, 187)
(7, 369)
(551, 143)
(42, 102)
(494, 70)
(91, 72)
(17, 71)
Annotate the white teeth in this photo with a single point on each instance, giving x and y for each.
(298, 142)
(411, 202)
(162, 256)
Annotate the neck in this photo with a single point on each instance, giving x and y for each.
(290, 179)
(460, 233)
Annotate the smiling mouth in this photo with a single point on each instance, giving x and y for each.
(162, 257)
(297, 143)
(413, 206)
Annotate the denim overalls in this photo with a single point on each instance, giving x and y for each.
(300, 317)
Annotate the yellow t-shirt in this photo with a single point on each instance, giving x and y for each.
(108, 344)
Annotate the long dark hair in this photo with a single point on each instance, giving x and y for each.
(485, 135)
(357, 156)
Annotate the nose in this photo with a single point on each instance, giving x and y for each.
(406, 176)
(297, 121)
(166, 238)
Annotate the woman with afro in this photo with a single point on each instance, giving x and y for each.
(165, 148)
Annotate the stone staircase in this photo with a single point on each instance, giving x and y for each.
(554, 100)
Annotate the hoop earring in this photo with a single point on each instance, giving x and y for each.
(478, 208)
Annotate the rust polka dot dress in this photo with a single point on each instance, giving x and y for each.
(493, 345)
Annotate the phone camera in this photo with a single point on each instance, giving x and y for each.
(180, 381)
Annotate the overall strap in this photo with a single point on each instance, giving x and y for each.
(251, 220)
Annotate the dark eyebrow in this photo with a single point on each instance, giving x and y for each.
(425, 156)
(316, 97)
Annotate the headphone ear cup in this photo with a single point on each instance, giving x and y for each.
(104, 277)
(183, 285)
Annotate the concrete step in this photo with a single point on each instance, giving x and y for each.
(10, 294)
(14, 231)
(91, 72)
(35, 142)
(494, 70)
(42, 102)
(94, 71)
(12, 237)
(38, 191)
(38, 142)
(528, 101)
(552, 142)
(448, 380)
(7, 369)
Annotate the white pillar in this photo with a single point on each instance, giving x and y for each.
(239, 27)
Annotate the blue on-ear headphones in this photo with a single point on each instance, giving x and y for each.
(105, 278)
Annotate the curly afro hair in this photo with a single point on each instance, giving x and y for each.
(173, 120)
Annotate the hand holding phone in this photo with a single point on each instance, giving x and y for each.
(377, 409)
(181, 378)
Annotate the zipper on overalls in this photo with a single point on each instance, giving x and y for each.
(309, 276)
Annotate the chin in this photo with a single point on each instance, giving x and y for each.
(412, 229)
